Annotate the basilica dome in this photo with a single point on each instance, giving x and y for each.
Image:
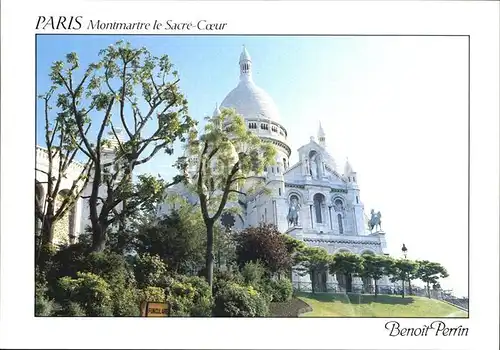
(248, 99)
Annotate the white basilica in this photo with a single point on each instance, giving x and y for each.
(309, 200)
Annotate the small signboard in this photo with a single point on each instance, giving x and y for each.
(154, 309)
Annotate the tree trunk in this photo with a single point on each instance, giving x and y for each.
(428, 290)
(409, 286)
(376, 287)
(99, 238)
(209, 262)
(47, 231)
(403, 289)
(348, 283)
(313, 282)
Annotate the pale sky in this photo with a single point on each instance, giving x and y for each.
(396, 106)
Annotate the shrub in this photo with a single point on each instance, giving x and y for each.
(202, 300)
(113, 268)
(66, 262)
(152, 295)
(221, 278)
(253, 274)
(90, 291)
(149, 270)
(280, 290)
(71, 309)
(110, 266)
(234, 300)
(125, 301)
(43, 306)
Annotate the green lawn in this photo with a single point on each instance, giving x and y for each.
(357, 305)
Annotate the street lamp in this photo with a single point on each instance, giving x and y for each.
(404, 250)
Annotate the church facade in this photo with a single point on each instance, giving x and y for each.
(309, 200)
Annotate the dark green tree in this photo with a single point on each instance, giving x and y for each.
(400, 270)
(127, 89)
(313, 261)
(430, 273)
(375, 267)
(347, 264)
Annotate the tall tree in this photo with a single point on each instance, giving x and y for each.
(375, 267)
(347, 264)
(127, 89)
(313, 261)
(430, 273)
(400, 270)
(56, 160)
(226, 157)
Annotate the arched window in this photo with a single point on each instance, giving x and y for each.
(341, 226)
(319, 201)
(339, 205)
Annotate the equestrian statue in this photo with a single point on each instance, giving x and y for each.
(375, 221)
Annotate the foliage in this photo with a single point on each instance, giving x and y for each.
(43, 305)
(234, 300)
(294, 248)
(280, 290)
(400, 269)
(313, 260)
(430, 273)
(110, 266)
(224, 247)
(375, 267)
(347, 264)
(149, 270)
(66, 262)
(253, 274)
(265, 244)
(224, 156)
(152, 295)
(90, 291)
(125, 301)
(71, 309)
(62, 143)
(189, 296)
(178, 238)
(123, 90)
(221, 278)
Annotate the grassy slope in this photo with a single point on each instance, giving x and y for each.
(356, 305)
